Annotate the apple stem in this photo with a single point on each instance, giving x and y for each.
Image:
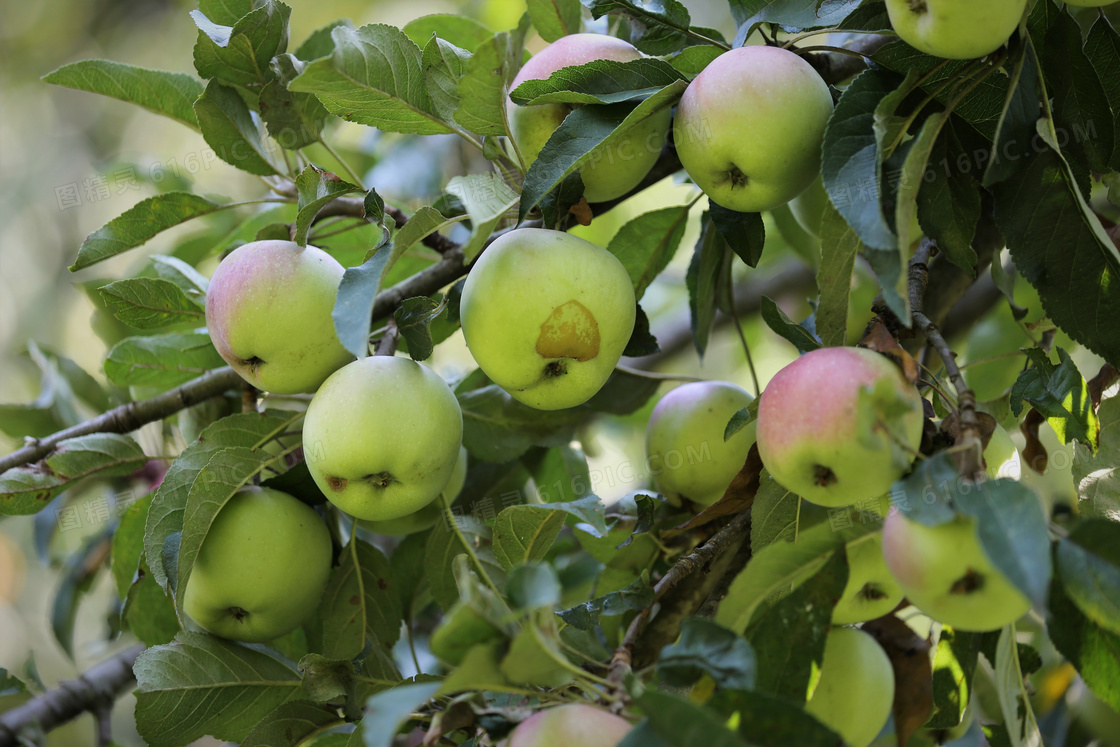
(387, 345)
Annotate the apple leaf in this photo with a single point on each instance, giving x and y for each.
(291, 723)
(1060, 394)
(360, 604)
(462, 31)
(1093, 651)
(705, 647)
(240, 54)
(497, 428)
(599, 82)
(948, 202)
(1102, 48)
(1073, 269)
(387, 711)
(128, 544)
(316, 188)
(353, 308)
(294, 120)
(711, 261)
(162, 361)
(1089, 565)
(482, 89)
(740, 420)
(1098, 475)
(555, 18)
(624, 393)
(1014, 700)
(692, 60)
(233, 131)
(175, 270)
(445, 543)
(560, 474)
(201, 685)
(954, 664)
(487, 199)
(533, 586)
(791, 15)
(524, 534)
(407, 566)
(444, 65)
(680, 722)
(744, 233)
(146, 303)
(637, 596)
(839, 246)
(770, 720)
(584, 136)
(657, 27)
(871, 16)
(1021, 109)
(373, 77)
(148, 611)
(414, 319)
(169, 94)
(646, 244)
(774, 514)
(802, 338)
(346, 683)
(139, 223)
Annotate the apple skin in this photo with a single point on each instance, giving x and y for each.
(689, 422)
(611, 172)
(809, 432)
(570, 725)
(1001, 457)
(261, 569)
(945, 573)
(382, 437)
(955, 29)
(855, 692)
(546, 316)
(749, 128)
(268, 311)
(426, 517)
(997, 334)
(871, 590)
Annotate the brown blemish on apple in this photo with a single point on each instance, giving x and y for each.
(336, 483)
(823, 476)
(569, 332)
(871, 592)
(917, 6)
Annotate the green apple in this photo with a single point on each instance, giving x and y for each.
(855, 692)
(547, 315)
(685, 448)
(839, 425)
(268, 311)
(1001, 458)
(944, 572)
(429, 515)
(955, 29)
(991, 354)
(871, 590)
(570, 725)
(749, 128)
(808, 207)
(612, 171)
(261, 568)
(382, 437)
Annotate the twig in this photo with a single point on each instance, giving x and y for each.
(95, 690)
(353, 207)
(387, 345)
(131, 416)
(682, 569)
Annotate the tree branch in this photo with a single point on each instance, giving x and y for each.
(353, 207)
(131, 416)
(95, 690)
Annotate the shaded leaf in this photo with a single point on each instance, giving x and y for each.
(169, 94)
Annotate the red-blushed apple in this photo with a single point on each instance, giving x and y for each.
(839, 425)
(382, 437)
(749, 128)
(612, 171)
(546, 316)
(871, 590)
(261, 568)
(268, 311)
(855, 692)
(944, 572)
(684, 440)
(955, 29)
(570, 725)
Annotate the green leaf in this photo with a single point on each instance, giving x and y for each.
(240, 54)
(792, 15)
(148, 611)
(646, 244)
(711, 259)
(189, 280)
(347, 683)
(163, 361)
(360, 603)
(774, 514)
(839, 246)
(524, 534)
(497, 428)
(555, 18)
(784, 327)
(386, 712)
(657, 27)
(414, 319)
(586, 134)
(624, 393)
(147, 303)
(28, 489)
(954, 664)
(1014, 700)
(353, 308)
(693, 60)
(1093, 651)
(225, 12)
(232, 131)
(743, 232)
(1059, 393)
(1074, 269)
(201, 685)
(1102, 48)
(587, 509)
(948, 203)
(1097, 476)
(291, 724)
(1016, 127)
(562, 475)
(128, 544)
(1089, 565)
(770, 721)
(445, 544)
(637, 596)
(462, 31)
(704, 647)
(54, 408)
(169, 94)
(444, 64)
(294, 120)
(487, 198)
(599, 82)
(533, 586)
(375, 77)
(681, 723)
(482, 89)
(317, 188)
(139, 223)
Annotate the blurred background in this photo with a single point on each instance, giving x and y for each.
(71, 161)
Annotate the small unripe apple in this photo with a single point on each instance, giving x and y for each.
(749, 128)
(429, 515)
(684, 440)
(1001, 457)
(955, 29)
(611, 171)
(839, 425)
(992, 354)
(382, 437)
(261, 568)
(855, 692)
(268, 311)
(570, 725)
(944, 572)
(546, 316)
(871, 590)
